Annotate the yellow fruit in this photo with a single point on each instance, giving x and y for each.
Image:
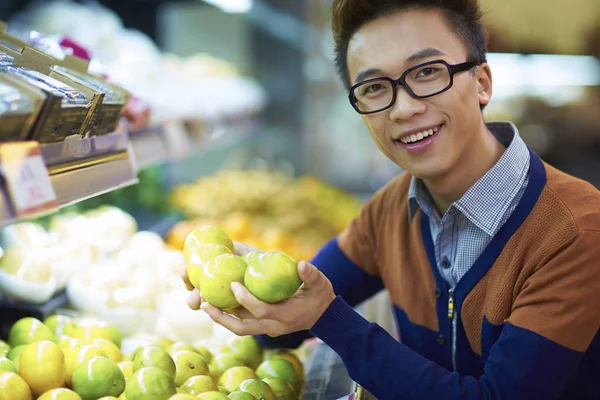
(163, 343)
(155, 357)
(205, 353)
(281, 369)
(60, 394)
(179, 346)
(239, 395)
(258, 389)
(57, 323)
(98, 377)
(183, 396)
(7, 365)
(200, 256)
(78, 354)
(217, 276)
(29, 330)
(232, 378)
(222, 362)
(245, 348)
(272, 277)
(4, 348)
(13, 387)
(199, 384)
(212, 395)
(188, 364)
(110, 349)
(127, 368)
(282, 389)
(287, 355)
(206, 234)
(150, 383)
(42, 365)
(14, 354)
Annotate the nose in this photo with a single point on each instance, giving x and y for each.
(406, 106)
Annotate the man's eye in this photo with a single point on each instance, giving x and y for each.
(373, 88)
(428, 71)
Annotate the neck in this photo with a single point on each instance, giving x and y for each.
(477, 160)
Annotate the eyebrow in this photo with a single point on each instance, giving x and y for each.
(425, 53)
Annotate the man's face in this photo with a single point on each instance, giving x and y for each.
(384, 46)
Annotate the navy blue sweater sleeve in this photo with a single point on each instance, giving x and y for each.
(521, 364)
(348, 280)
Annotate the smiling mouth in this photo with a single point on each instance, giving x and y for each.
(420, 136)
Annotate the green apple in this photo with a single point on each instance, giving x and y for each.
(154, 356)
(28, 330)
(232, 378)
(258, 389)
(206, 234)
(272, 277)
(216, 279)
(199, 384)
(246, 348)
(188, 363)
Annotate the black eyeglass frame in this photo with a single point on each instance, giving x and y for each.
(452, 69)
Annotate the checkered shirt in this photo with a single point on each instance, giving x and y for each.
(464, 231)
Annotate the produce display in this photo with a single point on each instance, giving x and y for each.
(265, 209)
(70, 358)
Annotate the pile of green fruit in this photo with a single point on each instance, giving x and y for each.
(61, 359)
(212, 267)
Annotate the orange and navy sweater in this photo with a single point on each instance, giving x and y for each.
(523, 322)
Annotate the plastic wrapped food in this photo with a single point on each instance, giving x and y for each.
(110, 95)
(6, 60)
(12, 100)
(69, 95)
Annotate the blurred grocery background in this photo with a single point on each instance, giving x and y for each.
(226, 112)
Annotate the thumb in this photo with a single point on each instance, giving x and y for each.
(309, 274)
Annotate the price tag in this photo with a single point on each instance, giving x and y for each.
(27, 179)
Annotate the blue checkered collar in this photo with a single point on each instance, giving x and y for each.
(487, 200)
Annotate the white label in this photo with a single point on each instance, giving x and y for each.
(28, 182)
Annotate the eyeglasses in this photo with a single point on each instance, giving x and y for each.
(421, 81)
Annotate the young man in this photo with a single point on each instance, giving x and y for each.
(491, 257)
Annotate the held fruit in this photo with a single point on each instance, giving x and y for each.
(206, 234)
(272, 277)
(216, 279)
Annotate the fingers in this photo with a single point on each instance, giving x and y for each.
(185, 278)
(241, 249)
(240, 327)
(309, 274)
(194, 300)
(253, 305)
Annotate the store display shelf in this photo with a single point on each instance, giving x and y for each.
(177, 140)
(77, 169)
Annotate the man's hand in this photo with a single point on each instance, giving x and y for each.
(297, 313)
(255, 317)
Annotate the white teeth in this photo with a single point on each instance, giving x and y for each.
(419, 136)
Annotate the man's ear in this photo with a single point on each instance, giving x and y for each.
(483, 73)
